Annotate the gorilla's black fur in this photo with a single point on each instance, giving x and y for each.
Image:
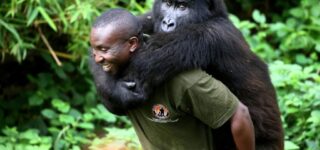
(204, 39)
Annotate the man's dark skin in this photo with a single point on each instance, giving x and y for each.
(112, 49)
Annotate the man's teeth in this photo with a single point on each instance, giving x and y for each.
(106, 67)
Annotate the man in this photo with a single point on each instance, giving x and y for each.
(181, 113)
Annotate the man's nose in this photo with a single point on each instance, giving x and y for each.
(97, 58)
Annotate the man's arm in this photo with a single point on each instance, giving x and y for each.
(242, 128)
(212, 102)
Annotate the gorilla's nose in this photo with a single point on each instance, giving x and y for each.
(168, 25)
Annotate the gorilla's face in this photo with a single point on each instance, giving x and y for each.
(172, 14)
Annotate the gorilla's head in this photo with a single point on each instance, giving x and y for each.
(172, 14)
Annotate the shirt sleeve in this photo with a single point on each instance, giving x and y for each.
(210, 101)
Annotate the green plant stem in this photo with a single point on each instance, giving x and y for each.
(56, 142)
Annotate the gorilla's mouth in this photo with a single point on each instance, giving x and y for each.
(167, 28)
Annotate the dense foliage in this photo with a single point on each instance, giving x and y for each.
(47, 97)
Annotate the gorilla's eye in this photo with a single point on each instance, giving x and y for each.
(182, 6)
(169, 2)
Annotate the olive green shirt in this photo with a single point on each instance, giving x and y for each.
(181, 113)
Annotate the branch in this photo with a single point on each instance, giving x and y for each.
(61, 54)
(44, 39)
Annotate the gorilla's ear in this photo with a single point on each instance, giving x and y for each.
(217, 8)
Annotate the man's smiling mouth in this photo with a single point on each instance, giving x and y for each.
(106, 67)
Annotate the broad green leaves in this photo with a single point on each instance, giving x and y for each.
(291, 47)
(27, 140)
(299, 100)
(22, 18)
(61, 102)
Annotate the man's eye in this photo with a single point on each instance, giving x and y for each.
(103, 49)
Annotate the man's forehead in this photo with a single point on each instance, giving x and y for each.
(107, 30)
(100, 31)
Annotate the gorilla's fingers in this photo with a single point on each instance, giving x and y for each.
(130, 84)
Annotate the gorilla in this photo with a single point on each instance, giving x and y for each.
(189, 34)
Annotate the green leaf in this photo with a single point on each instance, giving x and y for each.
(75, 16)
(60, 105)
(60, 72)
(66, 119)
(318, 47)
(258, 17)
(315, 10)
(301, 59)
(87, 117)
(11, 132)
(105, 114)
(12, 30)
(75, 113)
(33, 16)
(75, 147)
(290, 145)
(101, 113)
(86, 125)
(235, 20)
(61, 14)
(297, 12)
(315, 117)
(49, 113)
(32, 135)
(47, 18)
(279, 28)
(35, 100)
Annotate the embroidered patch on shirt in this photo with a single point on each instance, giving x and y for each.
(160, 111)
(161, 114)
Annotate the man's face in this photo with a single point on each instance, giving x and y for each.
(110, 48)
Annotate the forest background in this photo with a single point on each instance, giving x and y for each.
(48, 99)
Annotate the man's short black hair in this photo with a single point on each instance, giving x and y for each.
(120, 18)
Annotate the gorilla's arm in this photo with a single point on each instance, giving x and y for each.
(147, 22)
(192, 46)
(113, 91)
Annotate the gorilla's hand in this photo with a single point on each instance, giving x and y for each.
(130, 84)
(127, 94)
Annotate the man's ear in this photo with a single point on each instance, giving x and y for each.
(134, 43)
